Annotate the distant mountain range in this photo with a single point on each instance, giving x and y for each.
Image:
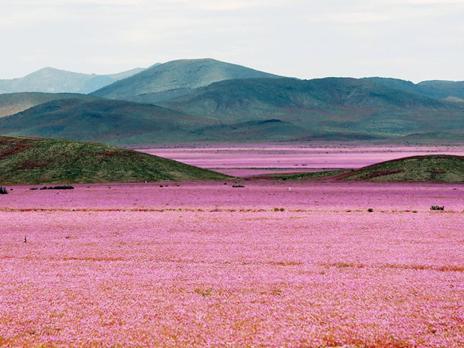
(108, 121)
(207, 100)
(12, 103)
(50, 80)
(175, 76)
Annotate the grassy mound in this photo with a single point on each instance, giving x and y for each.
(33, 161)
(432, 168)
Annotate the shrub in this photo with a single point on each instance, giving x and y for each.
(437, 207)
(61, 187)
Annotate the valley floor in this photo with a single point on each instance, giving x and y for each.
(208, 265)
(256, 159)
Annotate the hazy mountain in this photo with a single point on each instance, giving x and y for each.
(446, 90)
(50, 80)
(323, 106)
(108, 121)
(12, 103)
(443, 89)
(263, 109)
(177, 75)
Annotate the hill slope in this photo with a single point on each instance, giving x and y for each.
(324, 106)
(32, 161)
(108, 121)
(254, 110)
(13, 103)
(444, 90)
(181, 75)
(50, 80)
(431, 168)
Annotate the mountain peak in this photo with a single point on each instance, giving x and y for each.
(53, 80)
(179, 74)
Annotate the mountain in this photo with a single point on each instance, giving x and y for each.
(108, 121)
(451, 90)
(34, 161)
(12, 103)
(180, 76)
(268, 130)
(444, 90)
(253, 110)
(50, 80)
(324, 107)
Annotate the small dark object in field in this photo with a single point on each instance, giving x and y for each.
(370, 210)
(437, 207)
(25, 239)
(61, 187)
(237, 186)
(3, 190)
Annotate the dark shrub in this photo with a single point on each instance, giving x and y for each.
(3, 190)
(437, 207)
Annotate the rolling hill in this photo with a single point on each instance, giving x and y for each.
(50, 80)
(176, 110)
(34, 161)
(429, 168)
(178, 77)
(450, 90)
(107, 121)
(12, 103)
(324, 107)
(443, 90)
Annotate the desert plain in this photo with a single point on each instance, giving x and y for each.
(264, 263)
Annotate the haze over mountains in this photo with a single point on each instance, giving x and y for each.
(51, 80)
(209, 100)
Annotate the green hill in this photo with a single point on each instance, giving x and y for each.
(443, 89)
(253, 110)
(179, 74)
(51, 80)
(431, 168)
(13, 103)
(437, 89)
(251, 131)
(34, 161)
(324, 107)
(106, 121)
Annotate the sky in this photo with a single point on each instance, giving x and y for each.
(409, 39)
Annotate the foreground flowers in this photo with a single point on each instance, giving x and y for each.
(223, 266)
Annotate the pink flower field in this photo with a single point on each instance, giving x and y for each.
(195, 265)
(259, 159)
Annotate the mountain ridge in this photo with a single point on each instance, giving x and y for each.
(52, 80)
(182, 73)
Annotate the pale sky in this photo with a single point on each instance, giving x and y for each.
(409, 39)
